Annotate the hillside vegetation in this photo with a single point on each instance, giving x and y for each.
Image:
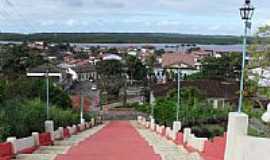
(121, 38)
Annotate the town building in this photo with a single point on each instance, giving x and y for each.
(86, 72)
(188, 64)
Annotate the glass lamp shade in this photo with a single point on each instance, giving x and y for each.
(247, 11)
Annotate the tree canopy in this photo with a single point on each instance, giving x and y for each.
(111, 75)
(136, 70)
(15, 59)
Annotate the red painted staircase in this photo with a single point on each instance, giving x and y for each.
(117, 141)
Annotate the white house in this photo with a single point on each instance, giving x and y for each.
(186, 62)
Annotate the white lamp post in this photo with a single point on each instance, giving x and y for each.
(46, 75)
(246, 13)
(178, 93)
(151, 100)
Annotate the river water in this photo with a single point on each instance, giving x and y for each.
(166, 46)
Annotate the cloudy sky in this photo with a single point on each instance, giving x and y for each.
(173, 16)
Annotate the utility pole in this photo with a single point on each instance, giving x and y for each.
(81, 108)
(177, 123)
(81, 99)
(48, 94)
(125, 92)
(178, 89)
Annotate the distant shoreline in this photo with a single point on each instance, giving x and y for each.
(123, 38)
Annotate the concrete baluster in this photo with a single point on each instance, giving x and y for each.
(61, 130)
(93, 122)
(152, 124)
(74, 129)
(237, 129)
(49, 128)
(167, 132)
(157, 128)
(70, 130)
(12, 140)
(176, 129)
(187, 135)
(36, 138)
(176, 126)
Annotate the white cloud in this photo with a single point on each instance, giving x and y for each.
(183, 16)
(215, 27)
(47, 22)
(109, 3)
(168, 23)
(70, 22)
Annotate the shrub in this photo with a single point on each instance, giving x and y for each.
(194, 112)
(209, 130)
(145, 108)
(165, 112)
(64, 118)
(4, 127)
(20, 119)
(26, 88)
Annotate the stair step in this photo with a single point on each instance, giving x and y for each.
(52, 150)
(36, 157)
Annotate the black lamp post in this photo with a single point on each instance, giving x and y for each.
(246, 13)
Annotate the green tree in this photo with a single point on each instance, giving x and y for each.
(113, 51)
(194, 112)
(260, 58)
(30, 88)
(160, 52)
(111, 75)
(151, 60)
(16, 59)
(136, 70)
(259, 49)
(227, 67)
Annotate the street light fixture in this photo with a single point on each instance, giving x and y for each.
(151, 101)
(246, 13)
(46, 74)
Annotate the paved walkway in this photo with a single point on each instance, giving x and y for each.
(168, 150)
(119, 140)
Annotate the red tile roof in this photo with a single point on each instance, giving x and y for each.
(170, 59)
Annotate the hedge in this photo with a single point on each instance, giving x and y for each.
(20, 119)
